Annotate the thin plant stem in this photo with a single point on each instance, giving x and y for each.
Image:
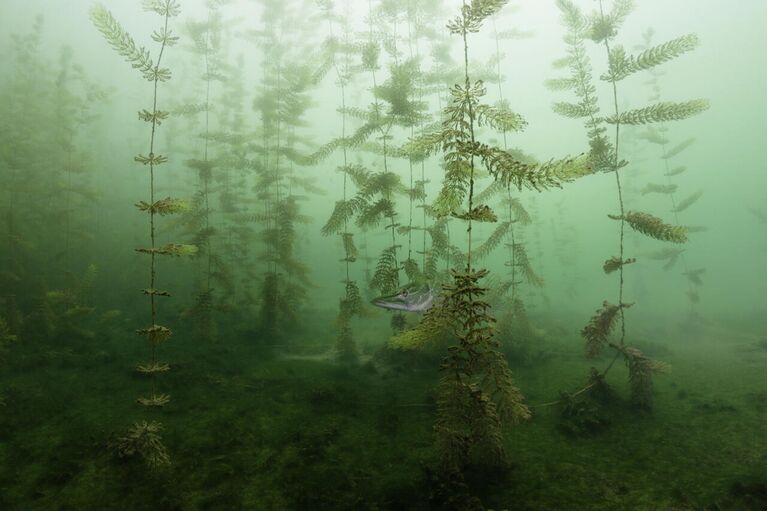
(153, 271)
(620, 195)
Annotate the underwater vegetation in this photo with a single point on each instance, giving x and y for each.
(602, 28)
(477, 394)
(144, 439)
(357, 243)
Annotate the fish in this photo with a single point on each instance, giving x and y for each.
(413, 297)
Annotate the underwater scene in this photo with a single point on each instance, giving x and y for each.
(383, 255)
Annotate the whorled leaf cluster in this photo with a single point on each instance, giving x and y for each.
(621, 65)
(143, 440)
(652, 226)
(660, 112)
(477, 393)
(473, 14)
(597, 330)
(460, 149)
(641, 372)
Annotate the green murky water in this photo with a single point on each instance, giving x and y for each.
(394, 254)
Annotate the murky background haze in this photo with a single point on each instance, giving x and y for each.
(727, 161)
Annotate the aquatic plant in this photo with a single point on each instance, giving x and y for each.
(73, 304)
(372, 204)
(75, 99)
(418, 15)
(659, 136)
(515, 321)
(236, 275)
(46, 173)
(394, 104)
(505, 293)
(20, 92)
(476, 392)
(24, 171)
(350, 305)
(206, 47)
(151, 69)
(219, 218)
(602, 28)
(143, 440)
(290, 70)
(406, 93)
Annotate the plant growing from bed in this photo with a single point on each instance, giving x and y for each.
(476, 392)
(152, 71)
(669, 151)
(602, 28)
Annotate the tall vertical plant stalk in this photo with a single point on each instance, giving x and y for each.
(676, 207)
(154, 399)
(23, 173)
(383, 127)
(269, 173)
(622, 209)
(346, 348)
(75, 98)
(64, 98)
(151, 71)
(512, 245)
(477, 394)
(288, 76)
(468, 101)
(206, 191)
(206, 38)
(239, 228)
(602, 28)
(351, 304)
(659, 137)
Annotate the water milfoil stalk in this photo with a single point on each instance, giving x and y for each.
(602, 28)
(476, 392)
(151, 70)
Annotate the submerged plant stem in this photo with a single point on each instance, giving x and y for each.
(616, 170)
(153, 272)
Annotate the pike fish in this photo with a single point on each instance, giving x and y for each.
(410, 298)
